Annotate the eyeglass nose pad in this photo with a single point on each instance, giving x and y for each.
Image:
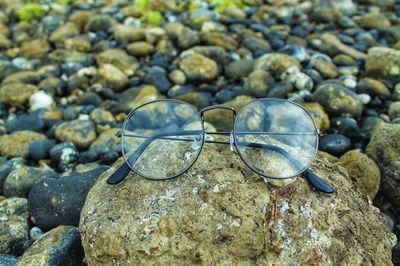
(231, 141)
(196, 144)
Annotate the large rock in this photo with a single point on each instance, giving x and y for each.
(60, 246)
(384, 149)
(383, 63)
(14, 225)
(54, 202)
(363, 170)
(222, 213)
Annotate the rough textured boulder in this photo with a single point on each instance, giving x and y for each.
(384, 149)
(221, 213)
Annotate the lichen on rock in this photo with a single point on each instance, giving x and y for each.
(222, 213)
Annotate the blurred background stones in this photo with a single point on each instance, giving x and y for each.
(71, 70)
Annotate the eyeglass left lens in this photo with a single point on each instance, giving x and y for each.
(162, 139)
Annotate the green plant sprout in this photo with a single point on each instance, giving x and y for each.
(30, 11)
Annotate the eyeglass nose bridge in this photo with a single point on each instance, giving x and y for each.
(224, 107)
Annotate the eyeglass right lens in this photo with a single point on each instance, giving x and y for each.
(157, 139)
(276, 138)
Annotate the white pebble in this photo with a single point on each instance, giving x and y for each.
(364, 98)
(40, 100)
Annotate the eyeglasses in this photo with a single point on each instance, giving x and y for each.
(275, 138)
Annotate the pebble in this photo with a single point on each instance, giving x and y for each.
(177, 77)
(373, 87)
(107, 142)
(338, 100)
(20, 180)
(157, 76)
(335, 144)
(347, 126)
(7, 167)
(14, 229)
(60, 246)
(80, 132)
(394, 110)
(103, 119)
(35, 233)
(140, 48)
(16, 94)
(258, 83)
(17, 144)
(239, 69)
(199, 68)
(40, 100)
(31, 122)
(64, 155)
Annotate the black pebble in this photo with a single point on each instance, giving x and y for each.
(335, 144)
(53, 202)
(39, 149)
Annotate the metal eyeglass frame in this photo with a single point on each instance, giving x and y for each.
(120, 174)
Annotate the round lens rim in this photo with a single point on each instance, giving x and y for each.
(278, 100)
(162, 100)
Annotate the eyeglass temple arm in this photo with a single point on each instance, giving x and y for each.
(120, 174)
(124, 169)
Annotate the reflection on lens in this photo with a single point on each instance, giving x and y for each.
(276, 138)
(162, 139)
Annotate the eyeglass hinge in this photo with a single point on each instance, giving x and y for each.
(119, 134)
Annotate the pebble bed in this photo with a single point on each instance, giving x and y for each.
(71, 70)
